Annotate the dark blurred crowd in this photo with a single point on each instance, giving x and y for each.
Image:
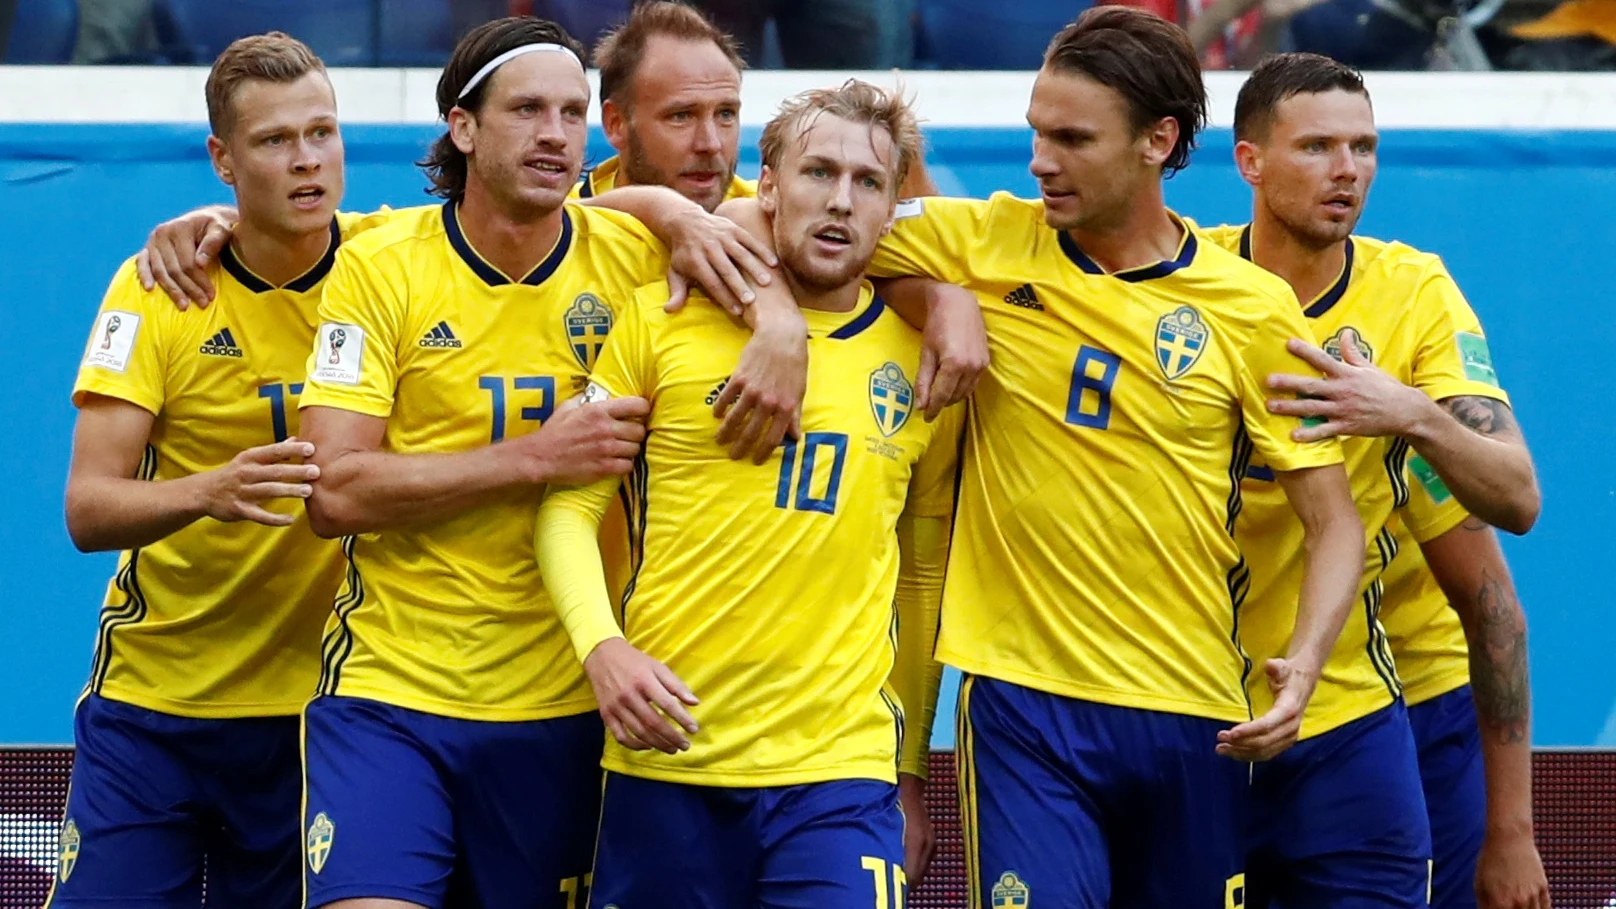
(839, 34)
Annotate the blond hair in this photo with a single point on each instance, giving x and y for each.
(856, 102)
(271, 57)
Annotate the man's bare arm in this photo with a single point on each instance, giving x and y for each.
(108, 509)
(1469, 566)
(1332, 567)
(364, 489)
(1472, 442)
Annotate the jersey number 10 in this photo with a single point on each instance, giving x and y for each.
(814, 454)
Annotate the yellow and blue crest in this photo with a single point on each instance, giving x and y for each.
(1010, 892)
(321, 833)
(588, 323)
(1349, 335)
(1180, 339)
(67, 850)
(892, 398)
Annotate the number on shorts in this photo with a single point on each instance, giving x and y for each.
(573, 887)
(900, 883)
(1234, 892)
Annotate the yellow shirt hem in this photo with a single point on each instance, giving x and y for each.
(1233, 712)
(1315, 724)
(751, 779)
(1436, 685)
(461, 710)
(203, 710)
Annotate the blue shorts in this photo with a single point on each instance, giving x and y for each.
(440, 811)
(1338, 821)
(1087, 806)
(154, 794)
(835, 845)
(1449, 744)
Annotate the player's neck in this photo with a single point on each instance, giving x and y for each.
(1308, 269)
(840, 299)
(1145, 235)
(279, 257)
(515, 245)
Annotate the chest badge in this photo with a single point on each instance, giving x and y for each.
(1181, 337)
(892, 398)
(588, 322)
(1348, 336)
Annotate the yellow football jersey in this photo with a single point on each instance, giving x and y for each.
(217, 619)
(450, 617)
(603, 178)
(1403, 312)
(1426, 636)
(1093, 556)
(768, 589)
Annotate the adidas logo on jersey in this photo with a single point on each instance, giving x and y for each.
(440, 336)
(1024, 297)
(222, 344)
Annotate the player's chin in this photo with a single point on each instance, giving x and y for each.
(829, 274)
(301, 220)
(544, 198)
(1063, 216)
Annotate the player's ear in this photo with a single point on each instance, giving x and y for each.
(767, 191)
(462, 129)
(614, 122)
(219, 155)
(1248, 161)
(1159, 140)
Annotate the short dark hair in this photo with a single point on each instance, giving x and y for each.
(445, 165)
(1144, 58)
(618, 52)
(271, 57)
(1281, 76)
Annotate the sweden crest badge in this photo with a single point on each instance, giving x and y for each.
(321, 833)
(1348, 335)
(67, 850)
(891, 398)
(588, 323)
(1181, 338)
(1010, 892)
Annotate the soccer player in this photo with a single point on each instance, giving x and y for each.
(1399, 347)
(452, 755)
(670, 103)
(767, 591)
(1094, 588)
(186, 456)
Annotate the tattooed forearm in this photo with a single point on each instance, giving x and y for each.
(1482, 415)
(1498, 673)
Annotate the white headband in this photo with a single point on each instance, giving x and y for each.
(507, 57)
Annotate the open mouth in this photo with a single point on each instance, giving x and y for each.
(307, 196)
(835, 236)
(548, 167)
(1342, 203)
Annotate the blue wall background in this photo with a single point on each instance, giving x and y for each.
(1522, 219)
